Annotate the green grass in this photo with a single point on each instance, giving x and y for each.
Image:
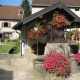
(10, 43)
(5, 48)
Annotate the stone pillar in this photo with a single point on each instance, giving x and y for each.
(38, 69)
(58, 47)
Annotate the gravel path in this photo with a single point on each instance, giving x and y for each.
(14, 67)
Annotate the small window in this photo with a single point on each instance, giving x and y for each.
(5, 24)
(76, 9)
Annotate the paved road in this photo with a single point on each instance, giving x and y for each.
(14, 67)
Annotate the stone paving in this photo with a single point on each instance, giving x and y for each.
(15, 67)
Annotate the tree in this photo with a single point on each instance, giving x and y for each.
(26, 6)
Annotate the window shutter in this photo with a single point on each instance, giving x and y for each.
(9, 25)
(2, 24)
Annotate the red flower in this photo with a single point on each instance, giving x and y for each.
(58, 20)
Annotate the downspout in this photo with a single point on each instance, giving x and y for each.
(20, 49)
(21, 44)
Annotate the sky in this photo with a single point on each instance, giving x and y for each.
(12, 2)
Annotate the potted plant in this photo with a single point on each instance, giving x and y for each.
(57, 64)
(58, 20)
(37, 32)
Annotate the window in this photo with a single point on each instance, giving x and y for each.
(6, 24)
(76, 9)
(7, 35)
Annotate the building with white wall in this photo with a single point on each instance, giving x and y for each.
(73, 5)
(9, 16)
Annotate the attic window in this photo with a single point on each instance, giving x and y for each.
(76, 9)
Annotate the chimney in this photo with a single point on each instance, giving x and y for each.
(19, 11)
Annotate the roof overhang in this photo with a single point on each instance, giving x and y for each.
(43, 5)
(44, 11)
(17, 26)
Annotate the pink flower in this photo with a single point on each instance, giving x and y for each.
(77, 57)
(57, 63)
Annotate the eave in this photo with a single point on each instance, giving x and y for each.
(44, 11)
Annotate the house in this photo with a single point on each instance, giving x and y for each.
(41, 4)
(46, 14)
(9, 16)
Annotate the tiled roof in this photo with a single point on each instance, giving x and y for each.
(11, 12)
(50, 2)
(43, 12)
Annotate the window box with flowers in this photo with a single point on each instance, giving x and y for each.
(57, 64)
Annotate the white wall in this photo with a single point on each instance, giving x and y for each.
(12, 23)
(34, 10)
(76, 12)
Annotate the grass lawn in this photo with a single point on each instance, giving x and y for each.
(6, 47)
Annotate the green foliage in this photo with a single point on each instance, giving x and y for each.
(15, 44)
(26, 6)
(16, 48)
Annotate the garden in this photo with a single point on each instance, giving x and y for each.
(5, 47)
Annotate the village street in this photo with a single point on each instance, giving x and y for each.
(15, 67)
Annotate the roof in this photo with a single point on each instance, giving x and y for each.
(50, 2)
(44, 11)
(11, 12)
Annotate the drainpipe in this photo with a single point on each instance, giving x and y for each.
(20, 49)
